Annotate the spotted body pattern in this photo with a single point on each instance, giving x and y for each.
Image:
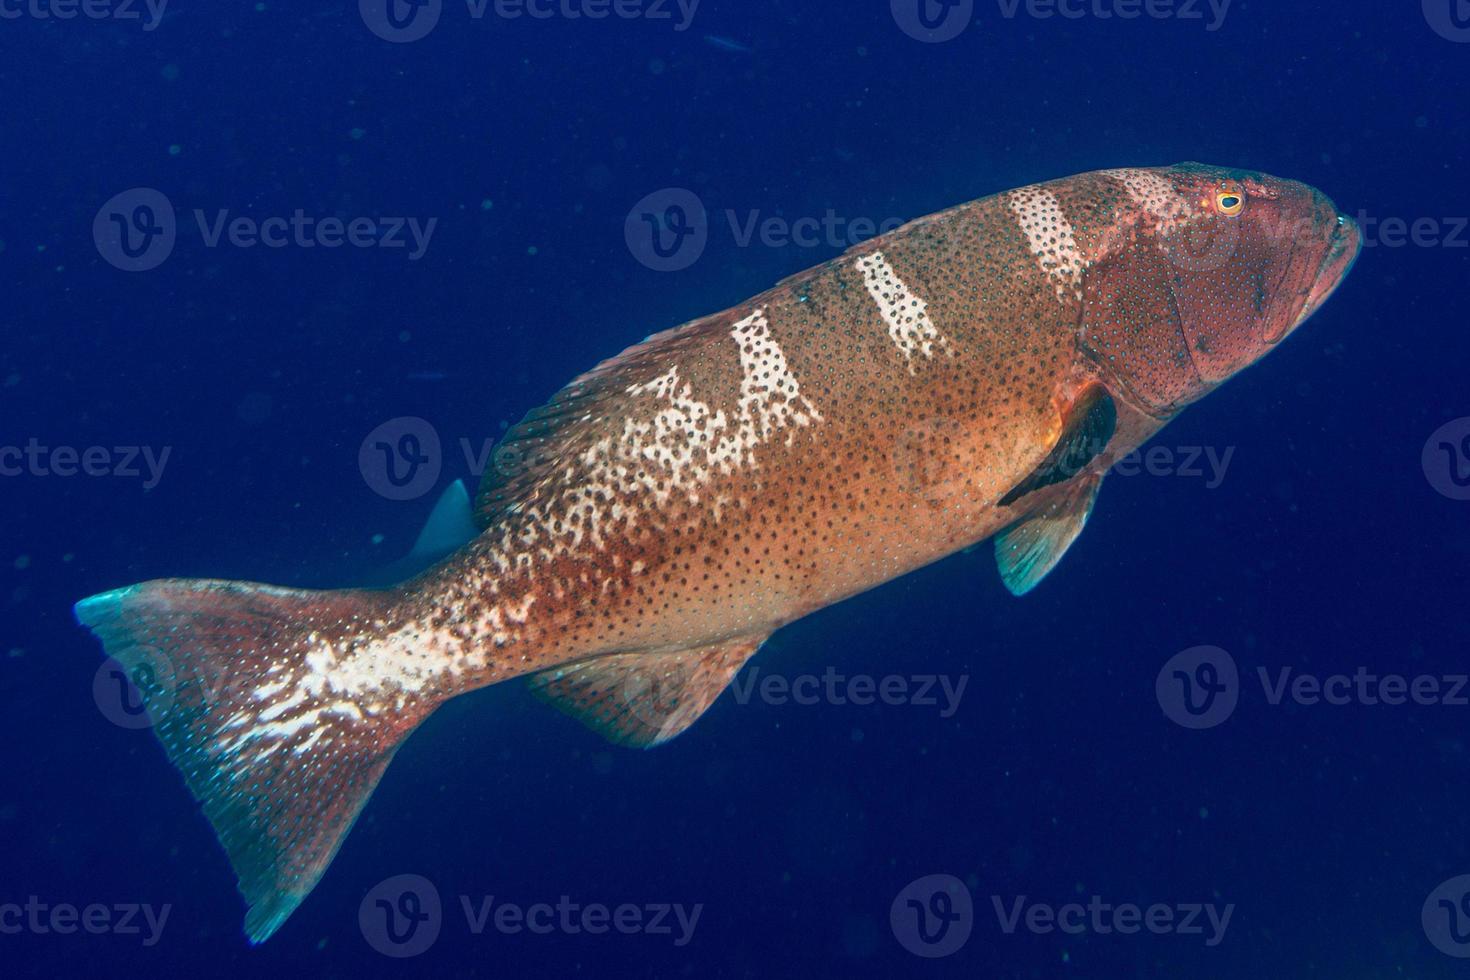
(970, 375)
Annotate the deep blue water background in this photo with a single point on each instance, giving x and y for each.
(1325, 548)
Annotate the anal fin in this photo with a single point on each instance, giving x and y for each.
(644, 699)
(1027, 552)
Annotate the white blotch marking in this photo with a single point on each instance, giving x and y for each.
(1051, 236)
(906, 315)
(1156, 195)
(686, 442)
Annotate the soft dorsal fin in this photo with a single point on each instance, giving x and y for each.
(1028, 552)
(1087, 428)
(644, 699)
(451, 525)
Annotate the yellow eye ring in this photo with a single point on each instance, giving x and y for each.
(1230, 201)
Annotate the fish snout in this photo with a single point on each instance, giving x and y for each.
(1344, 243)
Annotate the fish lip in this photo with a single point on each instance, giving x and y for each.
(1341, 257)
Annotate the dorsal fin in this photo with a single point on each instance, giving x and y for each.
(548, 437)
(644, 699)
(1087, 428)
(450, 527)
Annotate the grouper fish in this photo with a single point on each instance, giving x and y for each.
(971, 375)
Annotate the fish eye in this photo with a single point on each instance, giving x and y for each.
(1229, 201)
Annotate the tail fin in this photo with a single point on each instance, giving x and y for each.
(279, 740)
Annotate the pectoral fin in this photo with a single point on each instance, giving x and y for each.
(1087, 428)
(1029, 551)
(644, 699)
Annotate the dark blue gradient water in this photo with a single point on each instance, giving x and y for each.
(1334, 542)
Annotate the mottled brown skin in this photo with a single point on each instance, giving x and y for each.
(907, 466)
(646, 530)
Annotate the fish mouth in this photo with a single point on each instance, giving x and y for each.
(1342, 255)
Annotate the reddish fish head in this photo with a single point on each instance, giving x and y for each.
(1195, 272)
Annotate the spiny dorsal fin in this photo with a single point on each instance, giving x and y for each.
(1028, 552)
(1086, 431)
(537, 448)
(644, 699)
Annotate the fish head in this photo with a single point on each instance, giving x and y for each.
(1197, 272)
